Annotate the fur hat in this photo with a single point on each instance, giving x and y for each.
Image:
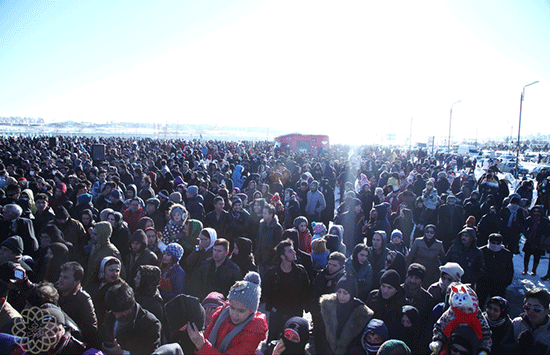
(175, 250)
(15, 244)
(416, 269)
(247, 291)
(454, 270)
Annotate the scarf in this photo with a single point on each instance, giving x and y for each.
(513, 214)
(429, 242)
(213, 338)
(461, 317)
(371, 349)
(495, 323)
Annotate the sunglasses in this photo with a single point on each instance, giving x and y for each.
(536, 309)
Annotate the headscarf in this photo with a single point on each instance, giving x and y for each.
(504, 306)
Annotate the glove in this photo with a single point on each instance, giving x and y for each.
(435, 347)
(525, 339)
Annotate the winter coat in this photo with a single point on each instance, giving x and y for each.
(489, 223)
(386, 310)
(195, 208)
(292, 210)
(534, 233)
(470, 259)
(358, 319)
(79, 306)
(237, 176)
(431, 257)
(541, 335)
(176, 275)
(173, 232)
(352, 224)
(212, 278)
(147, 257)
(499, 268)
(450, 220)
(438, 330)
(102, 249)
(245, 342)
(315, 203)
(140, 336)
(237, 224)
(276, 286)
(363, 277)
(269, 235)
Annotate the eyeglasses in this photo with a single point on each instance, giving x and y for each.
(536, 309)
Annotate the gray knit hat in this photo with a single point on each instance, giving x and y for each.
(247, 291)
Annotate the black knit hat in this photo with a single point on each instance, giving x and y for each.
(392, 278)
(347, 282)
(183, 309)
(14, 243)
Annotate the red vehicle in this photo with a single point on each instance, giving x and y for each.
(302, 142)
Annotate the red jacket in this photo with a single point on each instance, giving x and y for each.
(132, 218)
(246, 342)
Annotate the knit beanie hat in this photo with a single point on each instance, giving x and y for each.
(394, 346)
(299, 220)
(396, 233)
(103, 230)
(416, 269)
(471, 222)
(15, 244)
(213, 300)
(318, 227)
(347, 282)
(295, 335)
(193, 190)
(392, 278)
(84, 199)
(247, 291)
(139, 236)
(177, 208)
(175, 250)
(454, 270)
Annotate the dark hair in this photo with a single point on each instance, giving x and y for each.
(77, 269)
(44, 292)
(356, 250)
(223, 242)
(339, 257)
(270, 208)
(280, 248)
(540, 294)
(218, 199)
(120, 297)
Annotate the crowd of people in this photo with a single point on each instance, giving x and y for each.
(175, 246)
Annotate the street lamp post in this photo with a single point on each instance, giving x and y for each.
(450, 122)
(519, 125)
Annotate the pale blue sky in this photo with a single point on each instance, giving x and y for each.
(354, 69)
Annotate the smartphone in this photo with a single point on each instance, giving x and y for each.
(19, 274)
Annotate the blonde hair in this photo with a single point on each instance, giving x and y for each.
(318, 245)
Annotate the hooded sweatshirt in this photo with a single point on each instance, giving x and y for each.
(100, 250)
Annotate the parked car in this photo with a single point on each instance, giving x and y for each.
(510, 167)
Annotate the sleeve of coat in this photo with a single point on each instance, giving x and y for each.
(412, 253)
(479, 269)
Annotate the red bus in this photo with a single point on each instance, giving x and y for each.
(302, 142)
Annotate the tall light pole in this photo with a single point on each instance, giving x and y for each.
(519, 124)
(450, 122)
